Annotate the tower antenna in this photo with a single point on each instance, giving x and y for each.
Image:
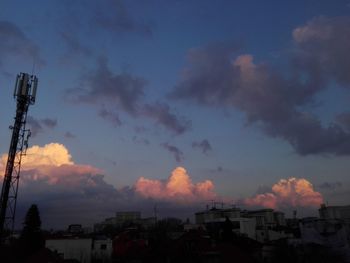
(33, 68)
(25, 93)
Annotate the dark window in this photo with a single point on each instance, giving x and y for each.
(103, 247)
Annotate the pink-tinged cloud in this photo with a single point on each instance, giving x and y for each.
(295, 192)
(316, 29)
(268, 200)
(178, 188)
(53, 164)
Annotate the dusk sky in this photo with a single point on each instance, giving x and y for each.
(175, 103)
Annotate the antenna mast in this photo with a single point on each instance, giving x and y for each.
(24, 92)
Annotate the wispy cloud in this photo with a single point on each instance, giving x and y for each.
(39, 125)
(203, 145)
(16, 44)
(69, 135)
(178, 154)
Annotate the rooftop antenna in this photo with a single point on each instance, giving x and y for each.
(25, 93)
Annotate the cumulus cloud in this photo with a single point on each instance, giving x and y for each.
(67, 192)
(115, 94)
(178, 188)
(178, 154)
(39, 125)
(291, 192)
(50, 178)
(203, 145)
(53, 154)
(15, 44)
(275, 102)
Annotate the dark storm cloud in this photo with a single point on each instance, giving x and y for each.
(39, 125)
(178, 154)
(275, 102)
(15, 44)
(203, 145)
(160, 112)
(123, 93)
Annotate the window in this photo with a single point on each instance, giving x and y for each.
(103, 246)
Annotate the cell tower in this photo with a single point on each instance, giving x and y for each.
(24, 92)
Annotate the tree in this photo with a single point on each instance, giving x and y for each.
(32, 222)
(31, 239)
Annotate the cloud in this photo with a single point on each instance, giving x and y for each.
(69, 135)
(322, 48)
(178, 155)
(113, 117)
(160, 112)
(178, 188)
(64, 191)
(204, 146)
(140, 140)
(67, 193)
(274, 101)
(37, 126)
(343, 119)
(115, 94)
(74, 45)
(15, 44)
(330, 186)
(291, 192)
(81, 20)
(53, 154)
(102, 86)
(114, 17)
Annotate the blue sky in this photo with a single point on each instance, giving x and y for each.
(137, 88)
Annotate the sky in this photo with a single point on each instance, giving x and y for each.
(173, 104)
